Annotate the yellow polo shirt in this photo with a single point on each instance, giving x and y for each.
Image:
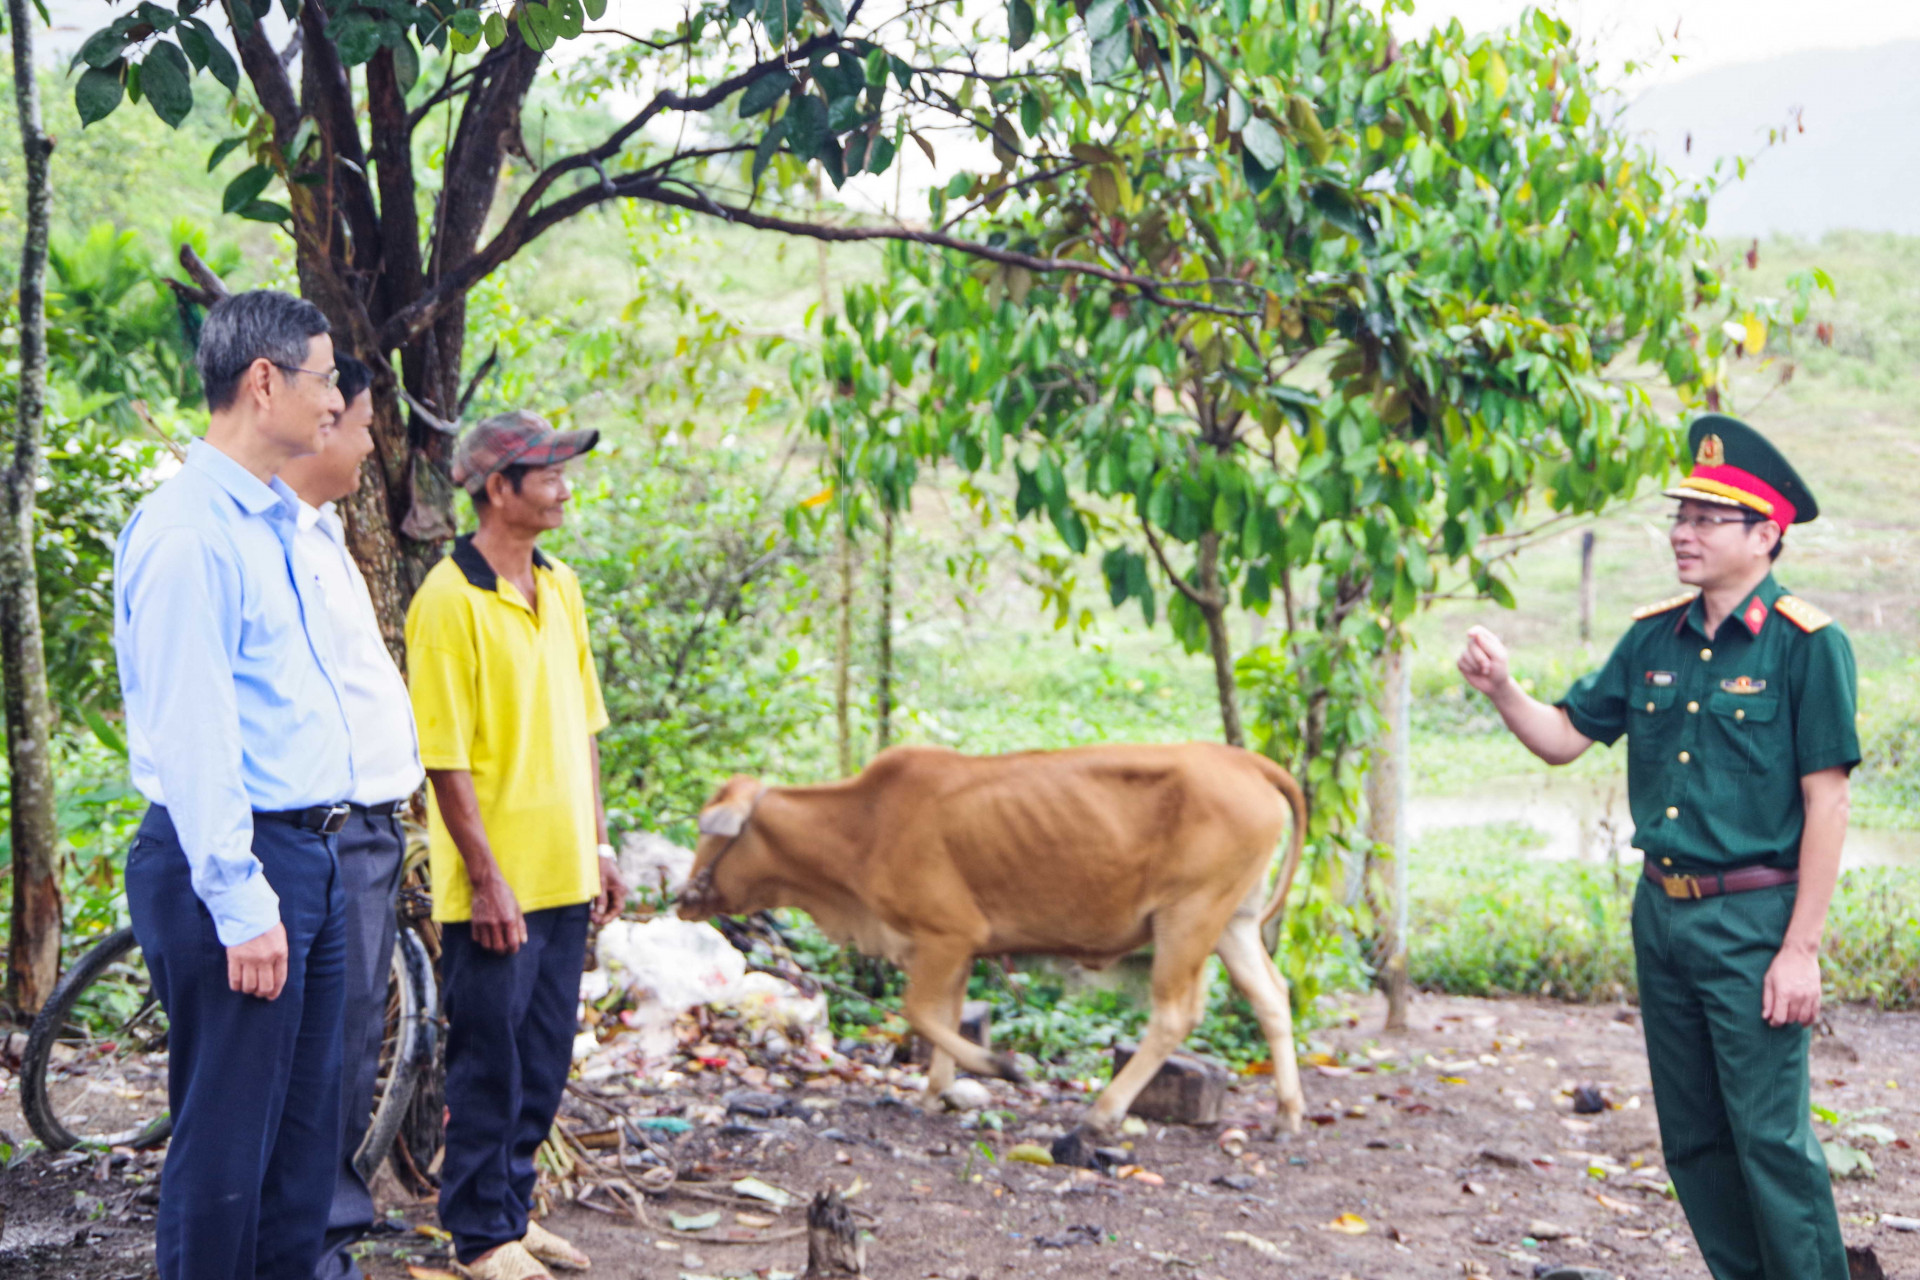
(509, 695)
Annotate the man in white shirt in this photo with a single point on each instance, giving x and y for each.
(386, 760)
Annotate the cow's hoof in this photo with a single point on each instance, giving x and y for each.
(1007, 1069)
(1075, 1149)
(1078, 1149)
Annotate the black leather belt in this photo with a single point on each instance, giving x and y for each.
(385, 809)
(324, 818)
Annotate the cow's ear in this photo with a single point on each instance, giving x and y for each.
(722, 821)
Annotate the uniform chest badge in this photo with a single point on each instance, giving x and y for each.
(1660, 679)
(1743, 684)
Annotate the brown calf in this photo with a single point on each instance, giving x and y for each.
(931, 858)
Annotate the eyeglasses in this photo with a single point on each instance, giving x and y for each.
(331, 377)
(1702, 523)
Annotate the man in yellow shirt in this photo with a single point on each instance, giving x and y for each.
(507, 705)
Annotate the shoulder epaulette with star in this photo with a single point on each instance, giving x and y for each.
(1800, 613)
(1646, 611)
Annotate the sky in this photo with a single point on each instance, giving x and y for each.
(1712, 33)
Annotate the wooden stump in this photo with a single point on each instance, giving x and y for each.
(834, 1246)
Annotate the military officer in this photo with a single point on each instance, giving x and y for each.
(1737, 702)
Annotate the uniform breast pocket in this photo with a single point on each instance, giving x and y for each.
(1654, 723)
(1745, 725)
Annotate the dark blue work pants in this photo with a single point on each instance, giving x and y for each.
(372, 850)
(254, 1084)
(510, 1027)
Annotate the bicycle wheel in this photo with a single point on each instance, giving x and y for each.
(406, 1049)
(95, 1067)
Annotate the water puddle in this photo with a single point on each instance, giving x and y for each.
(1579, 818)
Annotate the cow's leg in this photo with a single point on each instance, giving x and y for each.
(934, 975)
(940, 1066)
(1253, 971)
(1181, 943)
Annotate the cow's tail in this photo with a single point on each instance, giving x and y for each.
(1297, 801)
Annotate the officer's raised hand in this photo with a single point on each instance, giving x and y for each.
(1484, 661)
(1542, 729)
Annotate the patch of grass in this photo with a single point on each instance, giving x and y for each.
(1487, 920)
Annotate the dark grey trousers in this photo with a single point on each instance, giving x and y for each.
(371, 852)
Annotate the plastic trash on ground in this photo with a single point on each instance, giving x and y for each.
(667, 966)
(781, 1016)
(653, 862)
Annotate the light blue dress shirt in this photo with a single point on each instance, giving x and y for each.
(231, 697)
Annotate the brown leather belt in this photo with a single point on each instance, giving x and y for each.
(1709, 886)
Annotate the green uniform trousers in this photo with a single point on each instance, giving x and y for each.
(1731, 1091)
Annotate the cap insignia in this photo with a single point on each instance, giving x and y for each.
(1713, 452)
(1800, 613)
(1665, 606)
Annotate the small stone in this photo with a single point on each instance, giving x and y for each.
(1234, 1142)
(1235, 1181)
(965, 1095)
(1588, 1100)
(1548, 1271)
(1863, 1264)
(761, 1106)
(1186, 1089)
(1541, 1229)
(1505, 1159)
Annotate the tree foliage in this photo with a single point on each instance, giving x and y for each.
(1435, 300)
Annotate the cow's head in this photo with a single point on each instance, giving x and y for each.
(723, 830)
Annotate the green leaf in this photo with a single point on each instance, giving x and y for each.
(1033, 114)
(406, 65)
(208, 54)
(104, 47)
(764, 93)
(596, 9)
(770, 143)
(356, 36)
(1019, 24)
(245, 189)
(105, 732)
(806, 125)
(536, 27)
(880, 154)
(569, 19)
(495, 30)
(165, 80)
(265, 211)
(780, 17)
(1238, 12)
(1263, 141)
(836, 15)
(96, 95)
(224, 148)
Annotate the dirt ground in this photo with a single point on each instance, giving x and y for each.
(1451, 1151)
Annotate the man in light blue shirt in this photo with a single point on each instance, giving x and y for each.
(238, 735)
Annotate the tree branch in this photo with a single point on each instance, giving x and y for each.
(1185, 588)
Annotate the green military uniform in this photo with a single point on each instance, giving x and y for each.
(1720, 730)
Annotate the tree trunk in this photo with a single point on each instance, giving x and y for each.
(834, 1246)
(1219, 643)
(843, 647)
(883, 708)
(1386, 789)
(33, 950)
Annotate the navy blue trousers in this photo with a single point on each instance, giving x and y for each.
(254, 1084)
(510, 1027)
(372, 850)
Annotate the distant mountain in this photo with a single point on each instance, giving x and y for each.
(1856, 166)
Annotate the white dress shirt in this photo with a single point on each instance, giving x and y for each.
(386, 749)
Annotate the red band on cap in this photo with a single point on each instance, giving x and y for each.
(1748, 483)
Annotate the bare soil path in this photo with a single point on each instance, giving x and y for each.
(1451, 1151)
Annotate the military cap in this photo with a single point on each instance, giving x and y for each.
(1735, 466)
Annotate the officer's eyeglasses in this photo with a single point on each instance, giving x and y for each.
(1705, 523)
(331, 377)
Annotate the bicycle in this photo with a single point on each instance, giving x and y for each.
(94, 1070)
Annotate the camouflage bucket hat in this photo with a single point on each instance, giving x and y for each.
(516, 439)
